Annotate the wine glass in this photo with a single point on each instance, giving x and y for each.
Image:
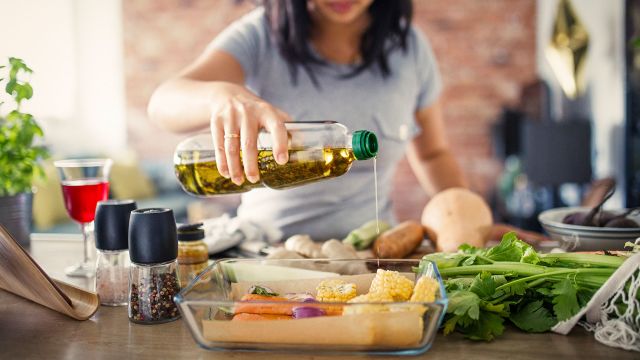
(84, 183)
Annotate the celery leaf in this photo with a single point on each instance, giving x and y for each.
(565, 299)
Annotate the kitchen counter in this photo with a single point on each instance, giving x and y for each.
(28, 330)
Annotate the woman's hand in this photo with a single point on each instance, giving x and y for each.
(236, 119)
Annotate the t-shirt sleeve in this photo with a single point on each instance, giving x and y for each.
(428, 74)
(245, 40)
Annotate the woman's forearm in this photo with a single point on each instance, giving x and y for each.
(437, 172)
(181, 104)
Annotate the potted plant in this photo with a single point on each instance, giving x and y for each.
(19, 156)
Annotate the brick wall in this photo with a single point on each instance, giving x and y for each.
(486, 52)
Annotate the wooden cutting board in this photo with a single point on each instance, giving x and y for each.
(21, 275)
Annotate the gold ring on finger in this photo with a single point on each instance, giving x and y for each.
(231, 136)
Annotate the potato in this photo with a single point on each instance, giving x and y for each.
(399, 241)
(456, 216)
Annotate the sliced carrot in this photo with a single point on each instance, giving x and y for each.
(258, 317)
(255, 304)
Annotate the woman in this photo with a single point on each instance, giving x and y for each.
(359, 62)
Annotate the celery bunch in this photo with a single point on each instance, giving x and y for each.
(512, 282)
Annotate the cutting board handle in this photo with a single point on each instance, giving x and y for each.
(21, 275)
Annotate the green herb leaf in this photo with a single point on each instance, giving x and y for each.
(487, 327)
(450, 324)
(565, 299)
(515, 288)
(501, 309)
(19, 158)
(469, 249)
(445, 260)
(544, 291)
(484, 285)
(513, 249)
(458, 284)
(507, 250)
(533, 317)
(261, 290)
(464, 303)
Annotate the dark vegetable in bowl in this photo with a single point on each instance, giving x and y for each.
(621, 221)
(597, 217)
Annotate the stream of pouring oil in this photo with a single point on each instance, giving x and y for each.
(375, 185)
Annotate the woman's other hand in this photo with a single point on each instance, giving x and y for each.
(237, 116)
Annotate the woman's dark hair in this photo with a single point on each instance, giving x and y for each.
(290, 24)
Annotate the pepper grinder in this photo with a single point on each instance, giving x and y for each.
(112, 264)
(153, 280)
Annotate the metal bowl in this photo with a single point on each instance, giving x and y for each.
(586, 238)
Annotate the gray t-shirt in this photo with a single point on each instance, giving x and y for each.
(332, 208)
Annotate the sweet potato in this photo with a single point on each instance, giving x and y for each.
(399, 241)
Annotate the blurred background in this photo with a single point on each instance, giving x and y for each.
(526, 140)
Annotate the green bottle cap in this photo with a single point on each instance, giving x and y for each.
(364, 144)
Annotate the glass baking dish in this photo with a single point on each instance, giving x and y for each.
(399, 328)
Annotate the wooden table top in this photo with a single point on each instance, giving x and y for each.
(28, 330)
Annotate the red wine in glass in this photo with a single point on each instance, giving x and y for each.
(81, 198)
(85, 182)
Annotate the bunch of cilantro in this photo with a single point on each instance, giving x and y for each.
(512, 282)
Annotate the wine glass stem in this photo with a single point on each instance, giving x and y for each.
(85, 240)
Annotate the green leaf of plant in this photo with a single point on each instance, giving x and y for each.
(515, 288)
(501, 309)
(10, 87)
(464, 303)
(19, 158)
(533, 317)
(530, 256)
(445, 260)
(507, 250)
(468, 249)
(544, 291)
(458, 284)
(486, 328)
(261, 290)
(484, 285)
(512, 249)
(565, 299)
(450, 324)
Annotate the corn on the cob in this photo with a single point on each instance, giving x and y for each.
(425, 290)
(393, 284)
(372, 297)
(368, 308)
(335, 291)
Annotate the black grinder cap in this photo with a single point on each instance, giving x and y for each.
(190, 232)
(112, 224)
(152, 236)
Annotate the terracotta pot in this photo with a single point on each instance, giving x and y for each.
(16, 215)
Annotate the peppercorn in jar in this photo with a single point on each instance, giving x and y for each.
(153, 280)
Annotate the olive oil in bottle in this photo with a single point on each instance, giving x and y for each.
(319, 150)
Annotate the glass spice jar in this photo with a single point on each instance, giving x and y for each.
(153, 280)
(112, 264)
(151, 293)
(193, 253)
(112, 277)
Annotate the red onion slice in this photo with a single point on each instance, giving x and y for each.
(302, 312)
